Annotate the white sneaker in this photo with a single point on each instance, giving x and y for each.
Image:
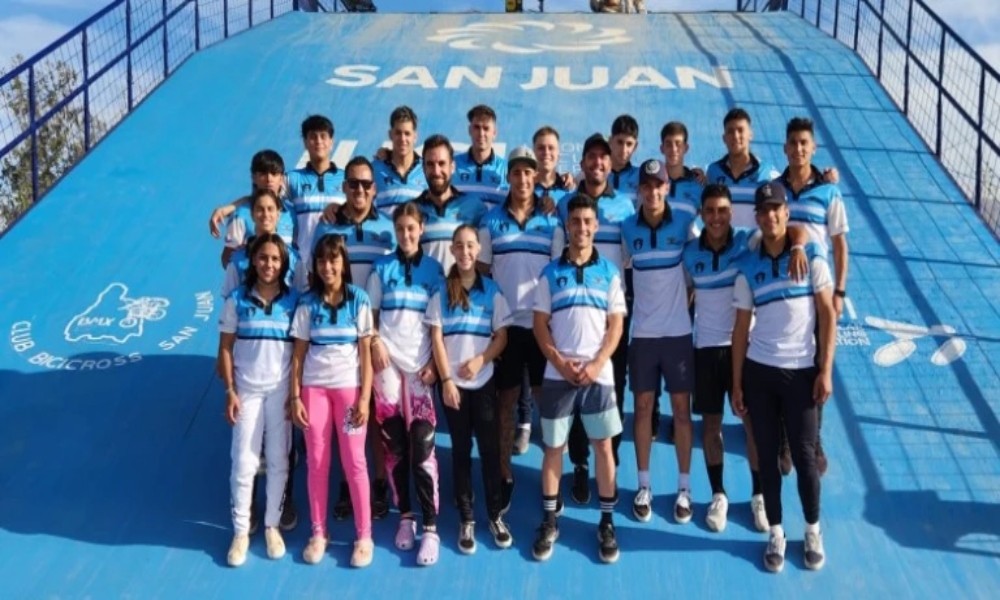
(642, 505)
(774, 555)
(759, 514)
(815, 558)
(315, 550)
(682, 507)
(717, 512)
(238, 550)
(275, 543)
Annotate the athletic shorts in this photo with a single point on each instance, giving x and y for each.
(670, 359)
(594, 403)
(522, 351)
(713, 379)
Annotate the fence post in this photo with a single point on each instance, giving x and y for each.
(881, 34)
(249, 13)
(819, 11)
(906, 65)
(34, 133)
(86, 94)
(940, 95)
(225, 19)
(128, 52)
(978, 200)
(836, 21)
(857, 23)
(166, 51)
(272, 9)
(197, 25)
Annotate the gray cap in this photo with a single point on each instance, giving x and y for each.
(522, 154)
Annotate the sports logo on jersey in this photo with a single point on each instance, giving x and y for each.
(393, 283)
(530, 37)
(699, 267)
(464, 176)
(504, 227)
(496, 179)
(115, 316)
(562, 281)
(637, 244)
(760, 277)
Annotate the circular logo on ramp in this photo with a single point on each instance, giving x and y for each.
(530, 37)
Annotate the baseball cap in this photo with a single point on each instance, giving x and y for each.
(653, 169)
(522, 154)
(594, 141)
(772, 192)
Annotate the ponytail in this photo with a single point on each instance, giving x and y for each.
(457, 294)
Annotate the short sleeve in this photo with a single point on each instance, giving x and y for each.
(236, 231)
(366, 324)
(543, 297)
(228, 319)
(301, 323)
(501, 312)
(753, 240)
(742, 296)
(374, 289)
(836, 216)
(819, 273)
(485, 246)
(230, 281)
(558, 241)
(616, 297)
(432, 316)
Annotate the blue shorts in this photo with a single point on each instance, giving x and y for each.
(595, 403)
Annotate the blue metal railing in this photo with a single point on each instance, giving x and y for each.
(55, 106)
(947, 91)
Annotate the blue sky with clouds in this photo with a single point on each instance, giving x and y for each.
(27, 26)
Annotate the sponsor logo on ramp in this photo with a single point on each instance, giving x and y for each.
(531, 37)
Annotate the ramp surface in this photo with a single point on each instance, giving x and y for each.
(114, 455)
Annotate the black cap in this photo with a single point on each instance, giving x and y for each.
(772, 192)
(596, 140)
(653, 169)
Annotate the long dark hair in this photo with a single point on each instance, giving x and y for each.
(457, 294)
(329, 246)
(255, 246)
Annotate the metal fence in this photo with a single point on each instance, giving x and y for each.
(945, 89)
(55, 106)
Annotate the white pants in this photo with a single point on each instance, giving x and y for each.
(262, 424)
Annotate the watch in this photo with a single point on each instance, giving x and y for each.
(840, 293)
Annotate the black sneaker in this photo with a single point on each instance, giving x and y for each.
(467, 537)
(506, 495)
(343, 508)
(581, 485)
(609, 545)
(501, 533)
(380, 499)
(548, 533)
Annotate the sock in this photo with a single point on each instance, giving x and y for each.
(525, 426)
(549, 505)
(755, 478)
(644, 479)
(715, 478)
(812, 527)
(684, 481)
(607, 509)
(777, 530)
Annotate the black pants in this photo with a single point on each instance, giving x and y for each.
(769, 393)
(477, 414)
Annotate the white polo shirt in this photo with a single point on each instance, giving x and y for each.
(333, 333)
(262, 354)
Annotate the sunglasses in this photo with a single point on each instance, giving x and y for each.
(365, 184)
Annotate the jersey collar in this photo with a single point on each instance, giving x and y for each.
(564, 259)
(815, 180)
(752, 167)
(425, 199)
(320, 186)
(784, 251)
(668, 217)
(343, 219)
(609, 190)
(703, 241)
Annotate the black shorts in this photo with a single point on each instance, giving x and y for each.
(522, 351)
(713, 379)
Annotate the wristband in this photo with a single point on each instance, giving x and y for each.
(230, 391)
(798, 247)
(840, 293)
(445, 380)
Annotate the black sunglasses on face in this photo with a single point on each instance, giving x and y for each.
(362, 183)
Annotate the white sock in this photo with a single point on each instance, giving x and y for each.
(528, 427)
(812, 527)
(644, 479)
(777, 531)
(684, 481)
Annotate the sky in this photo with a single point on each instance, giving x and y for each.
(27, 26)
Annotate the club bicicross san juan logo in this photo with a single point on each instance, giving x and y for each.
(113, 329)
(531, 37)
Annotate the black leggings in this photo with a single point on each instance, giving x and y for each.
(769, 393)
(477, 414)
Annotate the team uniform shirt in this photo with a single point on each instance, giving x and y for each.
(240, 227)
(556, 191)
(659, 307)
(818, 207)
(712, 275)
(783, 334)
(626, 182)
(333, 359)
(310, 192)
(262, 354)
(742, 186)
(685, 197)
(373, 237)
(395, 188)
(486, 180)
(517, 253)
(612, 209)
(400, 288)
(579, 300)
(467, 333)
(440, 223)
(236, 271)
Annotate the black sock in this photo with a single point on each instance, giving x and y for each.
(607, 509)
(549, 505)
(715, 478)
(755, 478)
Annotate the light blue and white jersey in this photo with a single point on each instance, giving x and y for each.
(712, 275)
(626, 182)
(818, 207)
(262, 354)
(240, 226)
(742, 186)
(395, 188)
(441, 222)
(685, 197)
(373, 237)
(311, 192)
(612, 209)
(556, 191)
(486, 180)
(333, 332)
(239, 262)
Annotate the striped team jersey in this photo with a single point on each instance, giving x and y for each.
(517, 253)
(626, 182)
(310, 192)
(487, 180)
(467, 333)
(818, 207)
(400, 288)
(395, 188)
(579, 299)
(440, 223)
(685, 196)
(783, 334)
(373, 237)
(262, 354)
(239, 262)
(556, 191)
(240, 226)
(742, 186)
(612, 209)
(712, 275)
(333, 333)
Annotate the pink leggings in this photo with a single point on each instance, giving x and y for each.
(331, 410)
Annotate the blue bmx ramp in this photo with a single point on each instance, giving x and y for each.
(114, 457)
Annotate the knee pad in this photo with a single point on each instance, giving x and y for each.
(394, 435)
(421, 440)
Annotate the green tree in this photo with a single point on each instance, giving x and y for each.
(60, 140)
